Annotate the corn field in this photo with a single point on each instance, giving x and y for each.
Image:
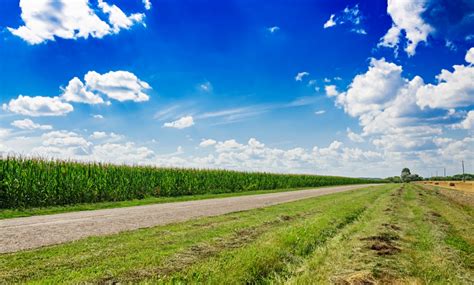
(26, 182)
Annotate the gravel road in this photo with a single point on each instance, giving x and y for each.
(37, 231)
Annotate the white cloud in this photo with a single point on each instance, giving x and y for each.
(119, 85)
(300, 75)
(28, 124)
(330, 22)
(147, 4)
(254, 143)
(207, 142)
(454, 89)
(451, 150)
(331, 90)
(354, 137)
(123, 153)
(184, 122)
(351, 16)
(273, 29)
(372, 90)
(467, 123)
(386, 105)
(320, 112)
(98, 135)
(109, 137)
(75, 91)
(97, 116)
(64, 138)
(117, 18)
(45, 20)
(406, 16)
(38, 106)
(206, 86)
(470, 56)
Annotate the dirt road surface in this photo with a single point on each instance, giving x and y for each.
(37, 231)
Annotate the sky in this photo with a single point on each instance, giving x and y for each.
(352, 88)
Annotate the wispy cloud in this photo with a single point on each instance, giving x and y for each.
(273, 29)
(351, 16)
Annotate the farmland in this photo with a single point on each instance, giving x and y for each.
(456, 185)
(393, 233)
(27, 183)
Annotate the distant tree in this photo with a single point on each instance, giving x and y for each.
(415, 177)
(394, 179)
(405, 176)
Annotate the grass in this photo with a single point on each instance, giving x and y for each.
(16, 213)
(384, 234)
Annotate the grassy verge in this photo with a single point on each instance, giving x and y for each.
(391, 234)
(164, 251)
(16, 213)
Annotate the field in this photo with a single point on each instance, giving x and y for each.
(28, 183)
(456, 185)
(389, 234)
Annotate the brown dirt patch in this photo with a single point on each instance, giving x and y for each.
(392, 226)
(384, 243)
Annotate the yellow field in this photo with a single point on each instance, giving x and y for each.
(457, 185)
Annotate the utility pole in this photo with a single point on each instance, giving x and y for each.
(463, 179)
(445, 172)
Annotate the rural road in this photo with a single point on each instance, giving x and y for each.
(37, 231)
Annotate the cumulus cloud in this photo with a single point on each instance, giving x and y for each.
(406, 16)
(454, 89)
(455, 150)
(119, 85)
(38, 106)
(97, 116)
(372, 90)
(45, 20)
(470, 56)
(354, 137)
(127, 152)
(467, 123)
(388, 106)
(118, 19)
(207, 142)
(300, 75)
(255, 155)
(320, 112)
(28, 124)
(182, 123)
(331, 90)
(75, 91)
(64, 139)
(349, 16)
(99, 135)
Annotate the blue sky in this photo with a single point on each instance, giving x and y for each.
(330, 87)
